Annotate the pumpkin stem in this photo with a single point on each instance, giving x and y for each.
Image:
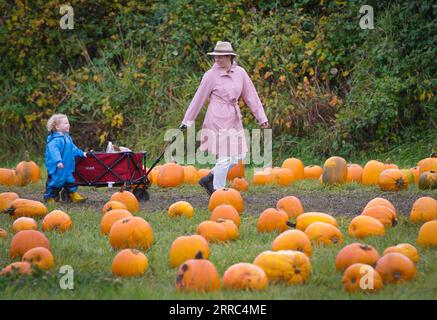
(290, 224)
(26, 156)
(199, 255)
(433, 154)
(122, 188)
(394, 222)
(9, 211)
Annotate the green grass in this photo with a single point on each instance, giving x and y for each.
(90, 254)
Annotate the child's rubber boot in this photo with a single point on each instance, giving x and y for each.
(76, 197)
(51, 201)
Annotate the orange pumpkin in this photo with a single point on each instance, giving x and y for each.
(212, 231)
(428, 180)
(170, 175)
(415, 171)
(261, 178)
(323, 233)
(231, 228)
(291, 267)
(27, 172)
(113, 205)
(111, 217)
(334, 171)
(129, 263)
(128, 199)
(40, 257)
(245, 276)
(304, 220)
(57, 220)
(406, 249)
(364, 226)
(7, 177)
(197, 275)
(203, 172)
(428, 234)
(22, 267)
(390, 166)
(237, 171)
(395, 268)
(226, 196)
(354, 173)
(186, 247)
(291, 205)
(356, 253)
(313, 172)
(272, 220)
(181, 208)
(240, 184)
(428, 164)
(3, 234)
(380, 202)
(384, 214)
(295, 165)
(25, 240)
(293, 240)
(424, 209)
(361, 277)
(24, 223)
(371, 172)
(284, 177)
(26, 208)
(132, 232)
(226, 212)
(392, 180)
(154, 175)
(409, 174)
(190, 175)
(6, 198)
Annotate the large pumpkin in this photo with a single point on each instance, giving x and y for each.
(395, 268)
(384, 214)
(132, 232)
(212, 231)
(128, 199)
(304, 220)
(364, 226)
(57, 220)
(291, 205)
(334, 171)
(113, 205)
(190, 175)
(27, 208)
(245, 276)
(25, 240)
(291, 267)
(237, 171)
(428, 180)
(129, 263)
(361, 277)
(293, 240)
(428, 164)
(24, 223)
(197, 275)
(181, 208)
(392, 180)
(356, 253)
(313, 172)
(27, 172)
(323, 233)
(427, 236)
(226, 196)
(354, 173)
(40, 257)
(111, 217)
(186, 247)
(240, 184)
(170, 175)
(272, 220)
(371, 172)
(296, 165)
(406, 249)
(424, 209)
(226, 211)
(7, 177)
(6, 198)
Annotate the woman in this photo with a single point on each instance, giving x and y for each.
(222, 131)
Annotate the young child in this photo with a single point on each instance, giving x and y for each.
(60, 160)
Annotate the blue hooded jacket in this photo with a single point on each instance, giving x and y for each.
(61, 148)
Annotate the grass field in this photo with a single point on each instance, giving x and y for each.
(90, 254)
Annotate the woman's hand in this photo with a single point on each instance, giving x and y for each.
(264, 125)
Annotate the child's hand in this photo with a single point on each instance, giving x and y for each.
(60, 165)
(84, 154)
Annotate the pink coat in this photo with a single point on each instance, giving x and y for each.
(222, 131)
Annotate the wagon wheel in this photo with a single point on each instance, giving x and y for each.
(141, 193)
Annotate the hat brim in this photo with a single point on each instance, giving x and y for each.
(221, 54)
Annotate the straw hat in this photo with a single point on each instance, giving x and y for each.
(222, 48)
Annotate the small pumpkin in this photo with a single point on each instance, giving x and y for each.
(291, 205)
(231, 228)
(245, 276)
(354, 173)
(313, 172)
(291, 267)
(409, 174)
(190, 175)
(392, 180)
(240, 184)
(371, 172)
(22, 268)
(361, 277)
(356, 253)
(261, 178)
(428, 164)
(334, 171)
(293, 240)
(304, 220)
(226, 196)
(272, 220)
(364, 226)
(129, 263)
(113, 205)
(384, 214)
(203, 172)
(424, 209)
(415, 171)
(427, 236)
(212, 231)
(128, 199)
(26, 208)
(395, 268)
(406, 249)
(40, 257)
(324, 233)
(27, 171)
(132, 232)
(226, 211)
(296, 166)
(170, 175)
(380, 202)
(197, 274)
(57, 220)
(25, 240)
(284, 177)
(3, 234)
(428, 180)
(181, 208)
(7, 177)
(6, 198)
(111, 217)
(186, 247)
(237, 171)
(24, 223)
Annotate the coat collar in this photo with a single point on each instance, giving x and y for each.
(222, 71)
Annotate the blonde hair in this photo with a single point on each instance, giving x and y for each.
(54, 120)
